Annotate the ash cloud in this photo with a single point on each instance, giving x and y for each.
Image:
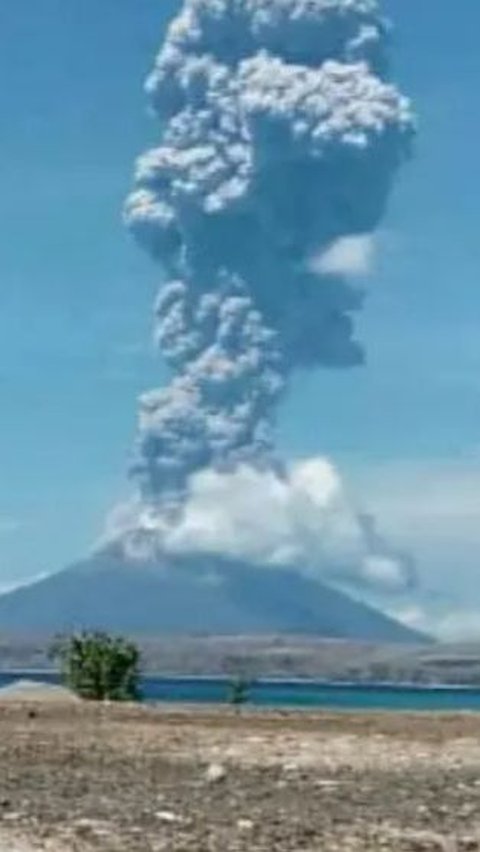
(281, 135)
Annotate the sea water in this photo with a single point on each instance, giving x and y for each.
(295, 693)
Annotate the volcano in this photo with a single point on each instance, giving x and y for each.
(191, 596)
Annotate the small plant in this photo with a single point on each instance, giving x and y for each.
(98, 666)
(239, 692)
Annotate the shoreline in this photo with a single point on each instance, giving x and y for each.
(370, 685)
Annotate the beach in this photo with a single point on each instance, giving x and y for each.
(101, 777)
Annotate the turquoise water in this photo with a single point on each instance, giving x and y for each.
(303, 694)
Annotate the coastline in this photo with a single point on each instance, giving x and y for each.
(305, 697)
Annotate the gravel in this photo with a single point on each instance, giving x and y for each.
(80, 778)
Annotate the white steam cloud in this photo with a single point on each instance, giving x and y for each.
(304, 518)
(351, 256)
(281, 135)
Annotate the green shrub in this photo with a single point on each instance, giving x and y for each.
(238, 691)
(98, 666)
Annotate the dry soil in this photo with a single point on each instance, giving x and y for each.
(79, 777)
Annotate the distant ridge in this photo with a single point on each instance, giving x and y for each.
(185, 596)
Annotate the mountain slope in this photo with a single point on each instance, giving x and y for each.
(205, 595)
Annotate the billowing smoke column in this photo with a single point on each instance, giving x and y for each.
(280, 138)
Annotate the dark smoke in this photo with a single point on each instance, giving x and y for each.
(280, 137)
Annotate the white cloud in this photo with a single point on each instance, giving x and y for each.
(413, 616)
(455, 625)
(352, 256)
(257, 515)
(381, 570)
(432, 507)
(459, 626)
(304, 519)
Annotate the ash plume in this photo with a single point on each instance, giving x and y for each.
(281, 135)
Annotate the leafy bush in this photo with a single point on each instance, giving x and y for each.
(98, 666)
(238, 692)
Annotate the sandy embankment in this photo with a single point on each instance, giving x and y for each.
(35, 692)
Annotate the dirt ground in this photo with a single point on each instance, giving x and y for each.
(82, 777)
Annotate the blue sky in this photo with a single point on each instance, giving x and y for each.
(76, 294)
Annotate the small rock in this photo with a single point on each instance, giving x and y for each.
(327, 784)
(245, 825)
(167, 816)
(95, 827)
(215, 773)
(430, 841)
(291, 768)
